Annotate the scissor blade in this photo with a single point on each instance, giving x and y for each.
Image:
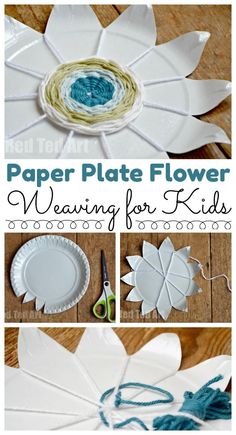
(104, 267)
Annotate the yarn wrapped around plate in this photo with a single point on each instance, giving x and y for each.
(91, 96)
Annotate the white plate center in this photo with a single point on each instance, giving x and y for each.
(50, 270)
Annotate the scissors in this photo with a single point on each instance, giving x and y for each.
(107, 297)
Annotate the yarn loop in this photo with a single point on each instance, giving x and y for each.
(205, 404)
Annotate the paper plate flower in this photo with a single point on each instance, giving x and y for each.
(162, 278)
(106, 92)
(56, 389)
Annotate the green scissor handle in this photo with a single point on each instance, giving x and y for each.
(110, 299)
(105, 304)
(102, 303)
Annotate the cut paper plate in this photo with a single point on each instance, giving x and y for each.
(53, 271)
(54, 389)
(162, 278)
(134, 101)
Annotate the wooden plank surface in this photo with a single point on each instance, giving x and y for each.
(212, 250)
(198, 344)
(172, 21)
(91, 244)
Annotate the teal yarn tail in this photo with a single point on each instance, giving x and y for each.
(124, 423)
(205, 404)
(174, 422)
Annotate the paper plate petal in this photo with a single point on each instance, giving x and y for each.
(134, 296)
(158, 359)
(102, 355)
(178, 133)
(100, 341)
(176, 58)
(148, 249)
(184, 252)
(147, 308)
(193, 288)
(166, 252)
(166, 245)
(134, 260)
(131, 33)
(13, 28)
(28, 297)
(45, 359)
(181, 305)
(47, 406)
(74, 31)
(129, 278)
(193, 379)
(26, 47)
(135, 146)
(194, 268)
(163, 303)
(193, 97)
(151, 255)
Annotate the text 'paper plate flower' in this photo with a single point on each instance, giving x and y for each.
(106, 92)
(88, 389)
(162, 278)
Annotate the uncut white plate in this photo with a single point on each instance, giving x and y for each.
(53, 270)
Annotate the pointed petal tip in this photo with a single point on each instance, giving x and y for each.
(228, 87)
(134, 296)
(129, 278)
(133, 260)
(203, 36)
(221, 137)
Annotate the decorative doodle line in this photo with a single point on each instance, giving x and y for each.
(179, 225)
(55, 223)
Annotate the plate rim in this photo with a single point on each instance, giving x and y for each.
(17, 289)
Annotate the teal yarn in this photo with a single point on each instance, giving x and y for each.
(174, 422)
(92, 91)
(120, 401)
(205, 404)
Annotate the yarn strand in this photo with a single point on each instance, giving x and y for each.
(25, 70)
(100, 41)
(165, 108)
(211, 278)
(163, 80)
(67, 140)
(21, 97)
(53, 49)
(145, 137)
(26, 127)
(141, 56)
(105, 146)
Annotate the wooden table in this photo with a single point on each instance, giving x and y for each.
(91, 244)
(198, 344)
(172, 21)
(212, 250)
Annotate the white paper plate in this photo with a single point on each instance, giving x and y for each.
(52, 270)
